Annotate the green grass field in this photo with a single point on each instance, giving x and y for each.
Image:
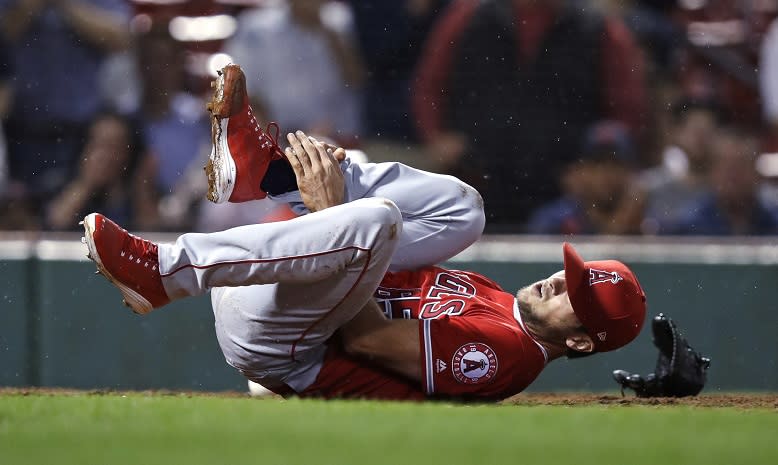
(180, 429)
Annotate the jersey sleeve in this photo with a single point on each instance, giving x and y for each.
(477, 357)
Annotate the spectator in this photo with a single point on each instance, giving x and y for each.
(683, 173)
(173, 120)
(272, 43)
(104, 179)
(768, 82)
(731, 205)
(721, 56)
(16, 211)
(56, 49)
(652, 26)
(506, 88)
(5, 104)
(598, 198)
(391, 36)
(175, 125)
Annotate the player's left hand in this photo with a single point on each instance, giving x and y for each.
(317, 170)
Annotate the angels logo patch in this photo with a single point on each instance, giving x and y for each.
(599, 276)
(474, 363)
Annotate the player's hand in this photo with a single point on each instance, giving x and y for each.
(338, 152)
(318, 173)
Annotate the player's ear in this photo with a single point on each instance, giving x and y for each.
(580, 342)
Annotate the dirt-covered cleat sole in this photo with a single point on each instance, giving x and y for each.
(241, 150)
(225, 101)
(132, 299)
(229, 95)
(220, 169)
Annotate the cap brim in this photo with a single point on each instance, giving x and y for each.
(575, 273)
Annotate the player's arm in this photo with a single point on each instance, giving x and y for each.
(390, 344)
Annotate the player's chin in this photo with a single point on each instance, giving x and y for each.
(524, 296)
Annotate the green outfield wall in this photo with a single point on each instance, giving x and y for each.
(62, 325)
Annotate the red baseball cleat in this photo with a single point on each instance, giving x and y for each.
(241, 150)
(129, 262)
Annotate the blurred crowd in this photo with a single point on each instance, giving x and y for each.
(569, 116)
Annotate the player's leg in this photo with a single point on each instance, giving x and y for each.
(275, 334)
(321, 271)
(303, 250)
(357, 238)
(441, 214)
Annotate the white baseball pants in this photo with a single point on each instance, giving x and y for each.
(280, 290)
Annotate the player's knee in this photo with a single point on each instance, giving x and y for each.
(474, 205)
(380, 210)
(470, 208)
(391, 212)
(388, 215)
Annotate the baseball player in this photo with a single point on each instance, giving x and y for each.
(346, 300)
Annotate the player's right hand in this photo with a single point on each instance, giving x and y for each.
(317, 170)
(338, 152)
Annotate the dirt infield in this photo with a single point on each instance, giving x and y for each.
(744, 401)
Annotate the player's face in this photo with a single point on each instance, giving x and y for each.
(545, 304)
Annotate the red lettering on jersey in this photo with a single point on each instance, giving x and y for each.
(397, 303)
(449, 284)
(446, 284)
(432, 310)
(445, 297)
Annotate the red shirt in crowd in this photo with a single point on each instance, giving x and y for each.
(621, 69)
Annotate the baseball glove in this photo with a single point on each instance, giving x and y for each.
(680, 370)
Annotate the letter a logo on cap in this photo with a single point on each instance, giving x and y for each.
(599, 276)
(612, 315)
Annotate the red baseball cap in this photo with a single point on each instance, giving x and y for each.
(606, 297)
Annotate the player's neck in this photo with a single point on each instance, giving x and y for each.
(554, 350)
(542, 336)
(539, 331)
